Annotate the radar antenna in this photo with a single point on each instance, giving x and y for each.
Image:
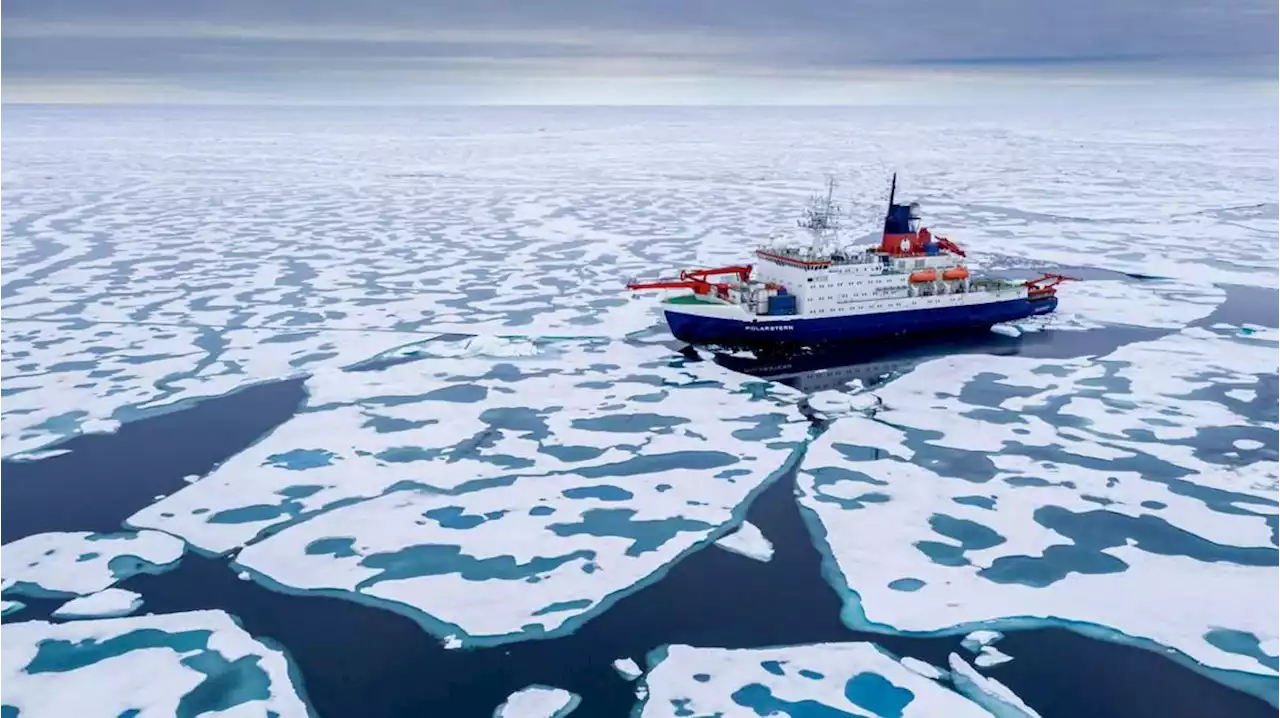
(822, 216)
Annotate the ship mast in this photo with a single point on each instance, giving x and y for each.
(821, 218)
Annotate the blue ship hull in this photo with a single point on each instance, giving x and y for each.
(813, 330)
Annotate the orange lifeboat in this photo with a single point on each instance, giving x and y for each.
(956, 273)
(928, 275)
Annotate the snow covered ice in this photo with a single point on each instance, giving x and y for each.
(857, 678)
(538, 702)
(987, 692)
(494, 500)
(1025, 487)
(991, 656)
(559, 456)
(748, 541)
(107, 603)
(977, 640)
(80, 563)
(144, 665)
(916, 665)
(627, 668)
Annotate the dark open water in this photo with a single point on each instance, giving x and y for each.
(360, 661)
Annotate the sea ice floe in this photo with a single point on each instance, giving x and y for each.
(107, 603)
(1152, 303)
(832, 403)
(855, 678)
(491, 499)
(64, 377)
(627, 668)
(748, 541)
(975, 640)
(1027, 488)
(174, 664)
(1084, 231)
(915, 665)
(991, 694)
(8, 607)
(38, 455)
(991, 656)
(1096, 303)
(1270, 647)
(80, 563)
(538, 702)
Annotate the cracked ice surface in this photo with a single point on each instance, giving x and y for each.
(493, 499)
(67, 377)
(80, 563)
(858, 679)
(1020, 487)
(173, 664)
(150, 262)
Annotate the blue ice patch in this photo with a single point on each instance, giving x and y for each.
(629, 423)
(647, 535)
(336, 547)
(301, 459)
(760, 699)
(906, 584)
(603, 492)
(877, 694)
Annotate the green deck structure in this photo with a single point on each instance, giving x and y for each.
(689, 299)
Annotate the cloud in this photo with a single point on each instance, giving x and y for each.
(478, 48)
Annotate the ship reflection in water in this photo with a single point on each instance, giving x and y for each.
(835, 366)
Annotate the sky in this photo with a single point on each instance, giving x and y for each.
(607, 51)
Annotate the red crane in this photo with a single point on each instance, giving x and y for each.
(697, 279)
(950, 246)
(1046, 285)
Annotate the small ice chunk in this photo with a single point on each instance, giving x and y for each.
(1247, 444)
(538, 702)
(831, 401)
(452, 641)
(38, 455)
(748, 541)
(915, 665)
(243, 576)
(977, 639)
(987, 692)
(191, 478)
(1244, 395)
(642, 691)
(991, 656)
(159, 496)
(7, 607)
(1006, 330)
(627, 668)
(109, 603)
(99, 426)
